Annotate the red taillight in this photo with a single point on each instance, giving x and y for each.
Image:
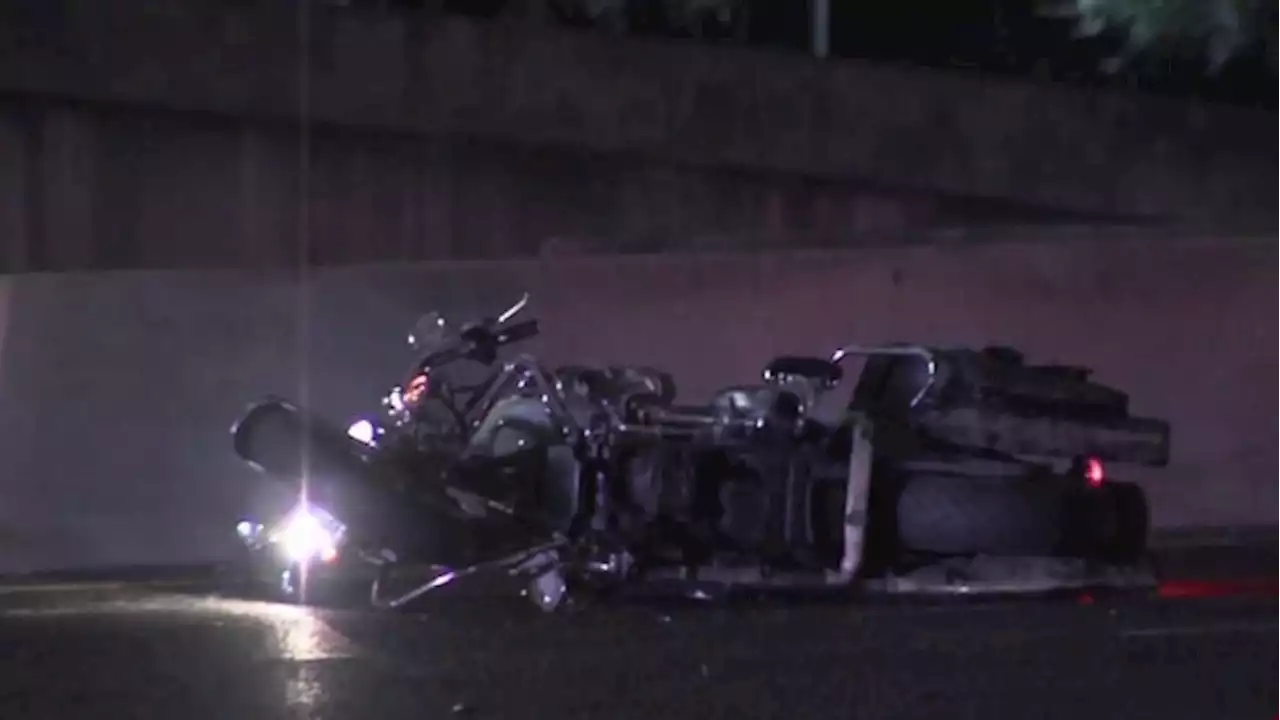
(1093, 472)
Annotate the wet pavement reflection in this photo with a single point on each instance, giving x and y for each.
(137, 653)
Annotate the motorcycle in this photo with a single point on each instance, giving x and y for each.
(590, 482)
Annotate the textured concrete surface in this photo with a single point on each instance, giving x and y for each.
(116, 391)
(137, 654)
(93, 187)
(679, 103)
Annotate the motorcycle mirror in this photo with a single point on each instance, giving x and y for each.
(430, 330)
(514, 309)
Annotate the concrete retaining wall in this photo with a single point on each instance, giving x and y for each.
(116, 391)
(91, 187)
(683, 103)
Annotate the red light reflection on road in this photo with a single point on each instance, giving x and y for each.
(1218, 588)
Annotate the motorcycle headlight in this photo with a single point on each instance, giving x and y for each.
(309, 534)
(364, 432)
(250, 532)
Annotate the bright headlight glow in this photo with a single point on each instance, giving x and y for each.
(362, 431)
(304, 538)
(250, 532)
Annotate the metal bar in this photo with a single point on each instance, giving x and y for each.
(857, 495)
(451, 576)
(820, 29)
(902, 350)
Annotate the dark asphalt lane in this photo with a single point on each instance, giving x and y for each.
(135, 653)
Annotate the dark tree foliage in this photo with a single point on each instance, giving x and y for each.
(1210, 32)
(1217, 49)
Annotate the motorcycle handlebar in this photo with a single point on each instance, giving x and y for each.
(517, 332)
(479, 343)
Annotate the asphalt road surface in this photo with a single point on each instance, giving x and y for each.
(135, 652)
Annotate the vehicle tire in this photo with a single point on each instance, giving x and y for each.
(990, 515)
(1132, 522)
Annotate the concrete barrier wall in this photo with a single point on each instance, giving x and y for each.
(85, 187)
(683, 103)
(116, 391)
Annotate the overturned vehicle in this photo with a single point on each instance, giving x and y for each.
(594, 482)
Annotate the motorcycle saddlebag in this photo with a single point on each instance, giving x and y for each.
(1143, 441)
